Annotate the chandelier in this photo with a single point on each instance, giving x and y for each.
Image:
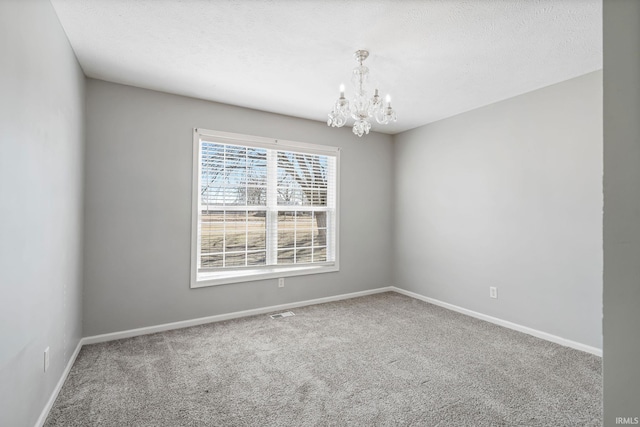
(361, 107)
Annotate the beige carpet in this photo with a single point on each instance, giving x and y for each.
(380, 360)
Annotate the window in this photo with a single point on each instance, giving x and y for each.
(262, 208)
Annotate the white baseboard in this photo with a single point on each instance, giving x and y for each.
(227, 316)
(536, 333)
(54, 395)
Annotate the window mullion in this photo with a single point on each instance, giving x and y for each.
(331, 205)
(272, 205)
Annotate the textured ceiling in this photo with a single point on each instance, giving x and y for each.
(436, 58)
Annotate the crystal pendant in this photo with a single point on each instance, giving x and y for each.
(361, 126)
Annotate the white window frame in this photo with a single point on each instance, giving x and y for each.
(245, 274)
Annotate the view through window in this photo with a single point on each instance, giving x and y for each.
(262, 205)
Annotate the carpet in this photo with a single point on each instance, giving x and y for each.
(379, 360)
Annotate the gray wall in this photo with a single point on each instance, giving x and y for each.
(509, 195)
(138, 209)
(621, 210)
(41, 149)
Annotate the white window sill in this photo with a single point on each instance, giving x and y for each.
(236, 276)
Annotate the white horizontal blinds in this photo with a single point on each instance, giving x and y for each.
(302, 179)
(233, 199)
(304, 208)
(264, 206)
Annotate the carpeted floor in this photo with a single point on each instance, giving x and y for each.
(380, 360)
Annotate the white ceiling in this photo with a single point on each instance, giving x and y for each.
(436, 58)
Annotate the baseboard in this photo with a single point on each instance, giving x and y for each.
(227, 316)
(536, 333)
(54, 395)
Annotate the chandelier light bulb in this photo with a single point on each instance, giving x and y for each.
(362, 107)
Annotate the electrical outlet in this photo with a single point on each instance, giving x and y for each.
(281, 282)
(493, 292)
(46, 359)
